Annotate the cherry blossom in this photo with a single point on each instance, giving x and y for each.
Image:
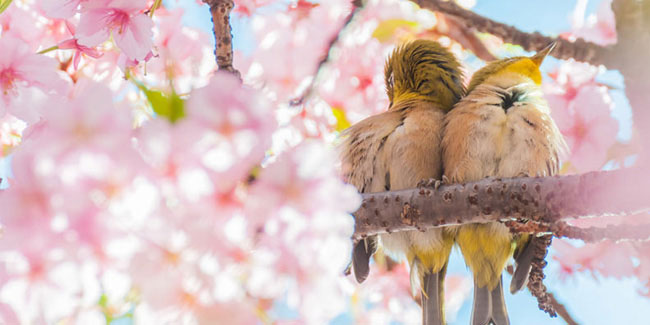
(20, 68)
(582, 110)
(130, 27)
(605, 258)
(599, 28)
(240, 123)
(248, 7)
(183, 54)
(61, 9)
(73, 44)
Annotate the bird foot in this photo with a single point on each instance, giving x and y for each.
(429, 183)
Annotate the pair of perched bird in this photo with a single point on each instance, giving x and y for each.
(435, 128)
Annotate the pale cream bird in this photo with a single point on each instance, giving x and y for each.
(502, 128)
(397, 149)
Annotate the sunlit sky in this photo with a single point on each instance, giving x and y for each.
(590, 299)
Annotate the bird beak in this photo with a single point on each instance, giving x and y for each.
(541, 55)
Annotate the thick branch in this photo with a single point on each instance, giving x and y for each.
(220, 10)
(579, 50)
(540, 199)
(633, 48)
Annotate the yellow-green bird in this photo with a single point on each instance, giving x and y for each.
(397, 149)
(502, 128)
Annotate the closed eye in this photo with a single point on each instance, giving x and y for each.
(509, 98)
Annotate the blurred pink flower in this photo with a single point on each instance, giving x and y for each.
(183, 54)
(304, 179)
(582, 110)
(11, 130)
(291, 42)
(356, 85)
(605, 258)
(132, 29)
(599, 28)
(300, 206)
(21, 68)
(61, 9)
(8, 315)
(240, 123)
(89, 121)
(20, 22)
(73, 44)
(248, 7)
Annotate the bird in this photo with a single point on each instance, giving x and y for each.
(400, 147)
(501, 128)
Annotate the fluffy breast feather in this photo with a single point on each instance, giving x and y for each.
(483, 139)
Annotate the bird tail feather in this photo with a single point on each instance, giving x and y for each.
(489, 306)
(363, 251)
(524, 260)
(431, 286)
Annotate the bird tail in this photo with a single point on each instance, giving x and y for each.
(363, 251)
(432, 287)
(489, 306)
(524, 258)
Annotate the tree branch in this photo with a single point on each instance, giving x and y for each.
(220, 10)
(596, 234)
(579, 50)
(540, 199)
(633, 48)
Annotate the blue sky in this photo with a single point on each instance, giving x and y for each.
(591, 300)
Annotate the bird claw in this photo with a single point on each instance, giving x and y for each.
(428, 183)
(445, 180)
(437, 184)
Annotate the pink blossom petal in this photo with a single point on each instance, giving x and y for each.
(93, 28)
(136, 38)
(61, 9)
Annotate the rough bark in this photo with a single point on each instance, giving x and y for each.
(220, 10)
(540, 199)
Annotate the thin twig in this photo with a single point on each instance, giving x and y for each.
(558, 306)
(220, 10)
(579, 50)
(561, 310)
(307, 93)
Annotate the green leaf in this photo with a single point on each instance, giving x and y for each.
(386, 29)
(4, 4)
(170, 106)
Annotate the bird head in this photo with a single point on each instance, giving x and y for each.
(516, 70)
(423, 70)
